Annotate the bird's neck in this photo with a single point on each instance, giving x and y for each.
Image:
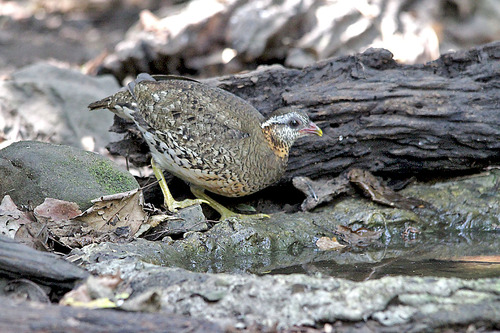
(279, 147)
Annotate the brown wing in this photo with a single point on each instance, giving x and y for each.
(196, 114)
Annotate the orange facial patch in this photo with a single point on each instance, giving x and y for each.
(279, 148)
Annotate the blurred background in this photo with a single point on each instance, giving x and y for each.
(53, 52)
(215, 37)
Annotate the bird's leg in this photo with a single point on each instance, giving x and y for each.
(224, 212)
(171, 204)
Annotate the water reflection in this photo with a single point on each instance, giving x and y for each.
(395, 267)
(468, 256)
(464, 255)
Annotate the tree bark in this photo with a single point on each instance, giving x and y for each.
(18, 261)
(434, 119)
(381, 116)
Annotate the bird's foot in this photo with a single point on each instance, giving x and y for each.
(224, 212)
(170, 203)
(227, 214)
(173, 205)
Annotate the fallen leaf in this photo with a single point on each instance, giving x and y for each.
(148, 301)
(326, 243)
(378, 192)
(112, 212)
(111, 218)
(17, 225)
(321, 191)
(56, 210)
(33, 234)
(11, 218)
(56, 215)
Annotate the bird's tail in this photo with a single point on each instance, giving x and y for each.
(123, 99)
(119, 103)
(104, 103)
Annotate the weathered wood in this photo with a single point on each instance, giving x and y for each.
(385, 117)
(36, 317)
(20, 261)
(381, 116)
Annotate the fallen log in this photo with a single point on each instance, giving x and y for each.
(433, 119)
(18, 261)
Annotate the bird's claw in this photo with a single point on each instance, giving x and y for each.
(175, 205)
(230, 214)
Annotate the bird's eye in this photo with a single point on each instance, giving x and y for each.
(294, 123)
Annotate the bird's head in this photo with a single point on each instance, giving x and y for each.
(284, 126)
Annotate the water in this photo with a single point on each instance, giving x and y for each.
(462, 255)
(467, 269)
(468, 256)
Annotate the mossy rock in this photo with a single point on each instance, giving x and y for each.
(31, 171)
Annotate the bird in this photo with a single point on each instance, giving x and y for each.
(208, 137)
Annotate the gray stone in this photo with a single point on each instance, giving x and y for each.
(402, 302)
(42, 101)
(467, 209)
(31, 171)
(462, 207)
(185, 220)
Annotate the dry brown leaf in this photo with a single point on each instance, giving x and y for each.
(147, 301)
(78, 295)
(119, 213)
(17, 225)
(112, 217)
(11, 218)
(35, 235)
(55, 217)
(379, 192)
(326, 243)
(56, 210)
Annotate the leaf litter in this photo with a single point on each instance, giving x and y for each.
(117, 217)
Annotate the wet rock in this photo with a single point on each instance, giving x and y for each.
(32, 171)
(462, 206)
(42, 101)
(271, 300)
(186, 219)
(287, 300)
(467, 208)
(470, 203)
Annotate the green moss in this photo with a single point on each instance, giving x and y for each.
(110, 179)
